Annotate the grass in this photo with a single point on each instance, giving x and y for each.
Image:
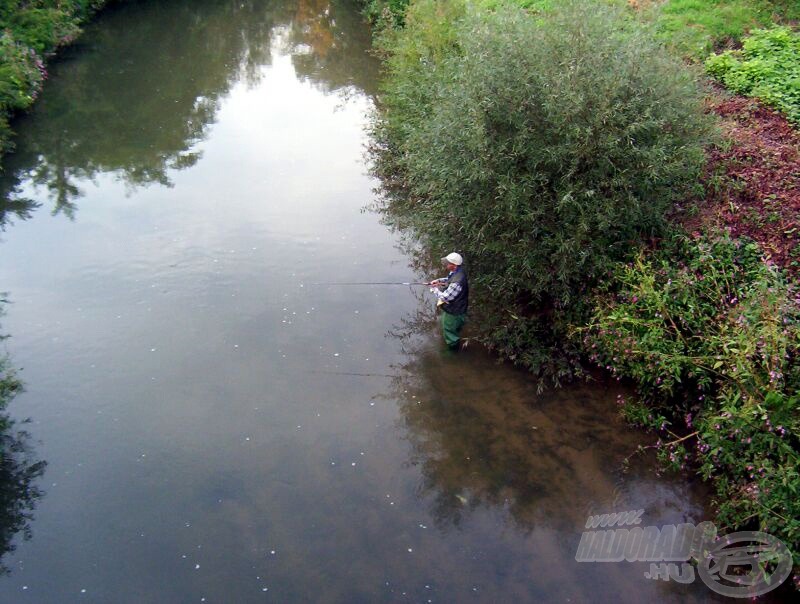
(696, 28)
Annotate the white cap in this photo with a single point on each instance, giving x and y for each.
(454, 258)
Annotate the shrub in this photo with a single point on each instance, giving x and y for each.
(389, 13)
(544, 148)
(767, 68)
(710, 334)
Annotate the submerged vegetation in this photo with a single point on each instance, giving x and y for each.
(562, 147)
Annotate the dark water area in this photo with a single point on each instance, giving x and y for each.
(220, 426)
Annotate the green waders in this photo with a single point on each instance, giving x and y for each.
(451, 328)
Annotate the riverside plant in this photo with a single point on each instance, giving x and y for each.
(767, 67)
(22, 73)
(709, 332)
(543, 147)
(30, 31)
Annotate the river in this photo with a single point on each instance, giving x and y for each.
(219, 422)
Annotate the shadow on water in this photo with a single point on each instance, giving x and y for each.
(159, 108)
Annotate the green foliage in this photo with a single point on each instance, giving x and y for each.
(767, 68)
(29, 30)
(697, 27)
(21, 76)
(387, 13)
(413, 56)
(749, 452)
(546, 149)
(695, 315)
(532, 6)
(710, 334)
(43, 29)
(541, 148)
(392, 13)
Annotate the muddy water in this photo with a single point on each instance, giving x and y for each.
(219, 423)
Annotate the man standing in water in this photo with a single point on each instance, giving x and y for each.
(453, 299)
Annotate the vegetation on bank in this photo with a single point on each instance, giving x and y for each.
(30, 30)
(555, 147)
(690, 28)
(711, 336)
(547, 149)
(695, 29)
(767, 68)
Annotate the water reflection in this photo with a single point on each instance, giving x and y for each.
(330, 46)
(19, 493)
(15, 209)
(484, 438)
(140, 109)
(19, 472)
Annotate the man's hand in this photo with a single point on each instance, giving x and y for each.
(435, 283)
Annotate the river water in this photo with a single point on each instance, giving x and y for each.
(219, 423)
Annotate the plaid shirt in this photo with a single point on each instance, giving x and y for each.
(450, 292)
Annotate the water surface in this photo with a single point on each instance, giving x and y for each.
(221, 426)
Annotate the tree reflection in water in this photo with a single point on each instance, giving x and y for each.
(330, 46)
(15, 209)
(19, 472)
(137, 110)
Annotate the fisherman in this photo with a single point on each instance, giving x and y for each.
(453, 294)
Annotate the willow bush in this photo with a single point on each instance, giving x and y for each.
(544, 147)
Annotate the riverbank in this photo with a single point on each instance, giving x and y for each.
(30, 32)
(585, 171)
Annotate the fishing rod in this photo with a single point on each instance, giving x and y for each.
(390, 375)
(372, 283)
